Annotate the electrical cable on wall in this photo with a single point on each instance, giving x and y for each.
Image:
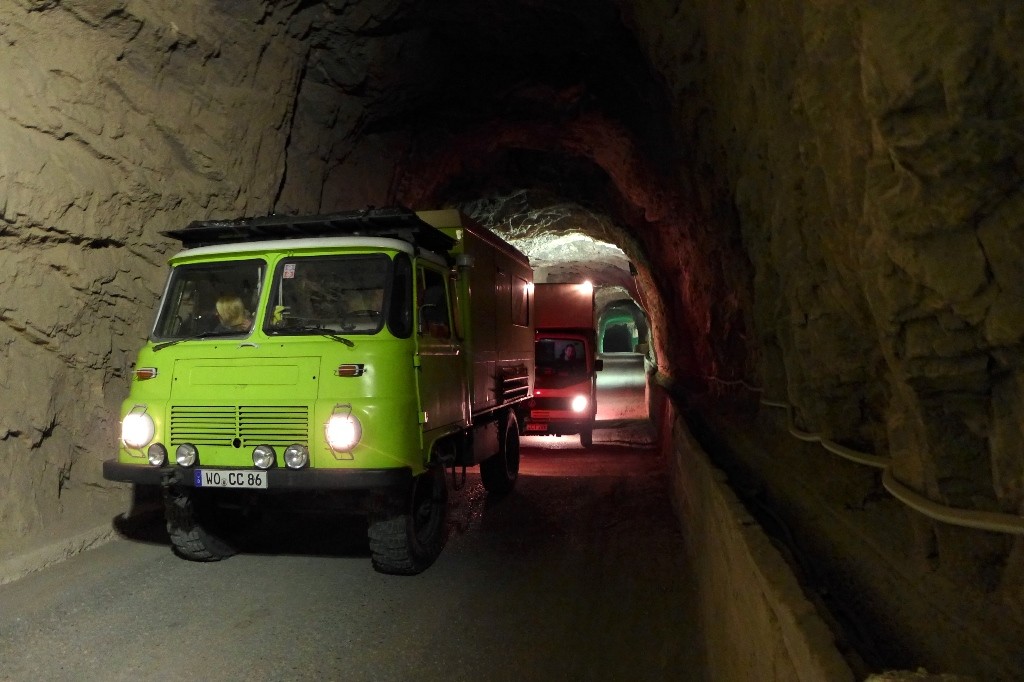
(996, 522)
(968, 518)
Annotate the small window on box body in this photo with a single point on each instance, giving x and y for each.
(520, 302)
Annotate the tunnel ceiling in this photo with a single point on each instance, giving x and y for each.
(448, 65)
(566, 242)
(459, 76)
(440, 72)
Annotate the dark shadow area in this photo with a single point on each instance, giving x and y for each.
(277, 529)
(321, 534)
(282, 533)
(332, 526)
(855, 639)
(144, 520)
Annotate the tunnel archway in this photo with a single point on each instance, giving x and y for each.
(623, 327)
(629, 191)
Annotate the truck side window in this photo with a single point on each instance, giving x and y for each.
(400, 310)
(433, 305)
(453, 288)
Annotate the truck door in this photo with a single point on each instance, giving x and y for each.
(443, 392)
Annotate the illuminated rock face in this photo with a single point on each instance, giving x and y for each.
(115, 123)
(820, 198)
(872, 158)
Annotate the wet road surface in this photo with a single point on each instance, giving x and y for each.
(577, 575)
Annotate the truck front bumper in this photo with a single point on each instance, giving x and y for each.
(556, 426)
(277, 479)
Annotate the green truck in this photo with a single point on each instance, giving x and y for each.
(355, 357)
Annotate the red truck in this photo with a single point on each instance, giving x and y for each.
(565, 388)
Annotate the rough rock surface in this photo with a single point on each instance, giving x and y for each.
(874, 158)
(118, 120)
(821, 198)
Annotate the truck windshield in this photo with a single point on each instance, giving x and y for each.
(334, 294)
(210, 299)
(560, 357)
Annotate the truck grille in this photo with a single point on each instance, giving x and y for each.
(222, 424)
(554, 404)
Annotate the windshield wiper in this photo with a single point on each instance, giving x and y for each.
(201, 335)
(321, 331)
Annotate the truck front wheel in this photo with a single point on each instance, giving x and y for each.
(407, 534)
(499, 472)
(197, 531)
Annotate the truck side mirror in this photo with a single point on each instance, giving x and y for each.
(598, 365)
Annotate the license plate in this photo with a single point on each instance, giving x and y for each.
(230, 478)
(534, 426)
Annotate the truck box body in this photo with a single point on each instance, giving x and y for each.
(564, 306)
(359, 351)
(498, 324)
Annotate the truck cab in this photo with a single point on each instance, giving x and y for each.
(565, 389)
(355, 354)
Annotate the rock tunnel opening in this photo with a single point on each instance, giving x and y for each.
(820, 201)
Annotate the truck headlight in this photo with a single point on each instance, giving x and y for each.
(137, 430)
(343, 432)
(580, 403)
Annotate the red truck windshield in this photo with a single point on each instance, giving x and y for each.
(561, 357)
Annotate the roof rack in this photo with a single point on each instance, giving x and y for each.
(395, 223)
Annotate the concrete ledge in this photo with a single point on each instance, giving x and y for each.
(758, 625)
(78, 531)
(39, 558)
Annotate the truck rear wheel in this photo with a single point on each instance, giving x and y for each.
(197, 531)
(407, 534)
(499, 472)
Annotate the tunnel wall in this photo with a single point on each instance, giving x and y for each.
(117, 120)
(868, 157)
(757, 623)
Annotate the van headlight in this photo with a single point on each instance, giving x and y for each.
(343, 432)
(137, 430)
(580, 403)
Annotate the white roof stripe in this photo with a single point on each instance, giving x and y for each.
(288, 245)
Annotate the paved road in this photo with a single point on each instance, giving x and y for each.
(577, 575)
(622, 387)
